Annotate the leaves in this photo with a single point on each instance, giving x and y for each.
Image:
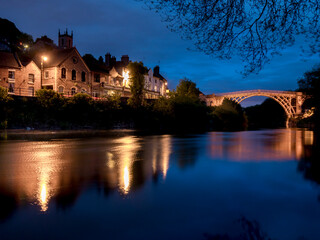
(253, 30)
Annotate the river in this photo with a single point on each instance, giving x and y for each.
(130, 185)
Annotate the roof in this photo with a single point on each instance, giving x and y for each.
(55, 57)
(9, 60)
(158, 75)
(96, 66)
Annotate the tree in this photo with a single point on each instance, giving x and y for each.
(187, 88)
(310, 84)
(4, 100)
(255, 30)
(136, 71)
(229, 116)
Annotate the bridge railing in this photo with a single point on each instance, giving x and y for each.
(255, 91)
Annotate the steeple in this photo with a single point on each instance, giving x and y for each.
(65, 40)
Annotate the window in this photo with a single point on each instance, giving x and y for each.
(83, 76)
(97, 77)
(74, 75)
(149, 79)
(11, 75)
(31, 78)
(63, 73)
(60, 89)
(31, 91)
(73, 91)
(155, 80)
(46, 74)
(11, 88)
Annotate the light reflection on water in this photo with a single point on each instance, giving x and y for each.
(57, 172)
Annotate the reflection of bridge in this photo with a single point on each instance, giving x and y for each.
(290, 101)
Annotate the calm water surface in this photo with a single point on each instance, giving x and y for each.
(124, 185)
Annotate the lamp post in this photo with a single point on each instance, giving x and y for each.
(43, 59)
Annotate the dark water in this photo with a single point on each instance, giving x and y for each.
(124, 185)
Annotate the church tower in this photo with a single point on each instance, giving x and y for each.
(65, 40)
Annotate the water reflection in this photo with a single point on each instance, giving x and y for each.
(281, 145)
(33, 172)
(58, 170)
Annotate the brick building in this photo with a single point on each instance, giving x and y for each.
(66, 72)
(20, 78)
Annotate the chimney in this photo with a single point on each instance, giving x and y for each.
(107, 59)
(125, 59)
(156, 70)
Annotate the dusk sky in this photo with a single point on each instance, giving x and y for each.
(128, 27)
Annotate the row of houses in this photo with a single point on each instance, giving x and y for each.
(64, 70)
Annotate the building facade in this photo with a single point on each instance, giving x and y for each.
(62, 69)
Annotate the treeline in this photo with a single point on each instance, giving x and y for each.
(180, 112)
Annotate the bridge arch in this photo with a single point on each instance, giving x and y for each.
(290, 101)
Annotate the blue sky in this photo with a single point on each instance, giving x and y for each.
(128, 27)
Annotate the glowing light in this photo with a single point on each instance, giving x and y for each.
(126, 179)
(43, 198)
(125, 75)
(44, 58)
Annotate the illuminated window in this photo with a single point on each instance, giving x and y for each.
(60, 89)
(83, 76)
(63, 73)
(74, 75)
(73, 91)
(31, 78)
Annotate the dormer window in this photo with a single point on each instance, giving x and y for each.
(63, 73)
(74, 75)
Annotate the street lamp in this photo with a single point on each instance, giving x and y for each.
(43, 59)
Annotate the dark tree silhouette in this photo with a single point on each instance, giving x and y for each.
(255, 30)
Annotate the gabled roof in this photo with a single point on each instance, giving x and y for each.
(55, 57)
(158, 75)
(9, 60)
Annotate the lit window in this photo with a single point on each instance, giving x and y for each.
(11, 75)
(61, 89)
(46, 74)
(83, 76)
(74, 76)
(63, 73)
(73, 91)
(31, 78)
(31, 91)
